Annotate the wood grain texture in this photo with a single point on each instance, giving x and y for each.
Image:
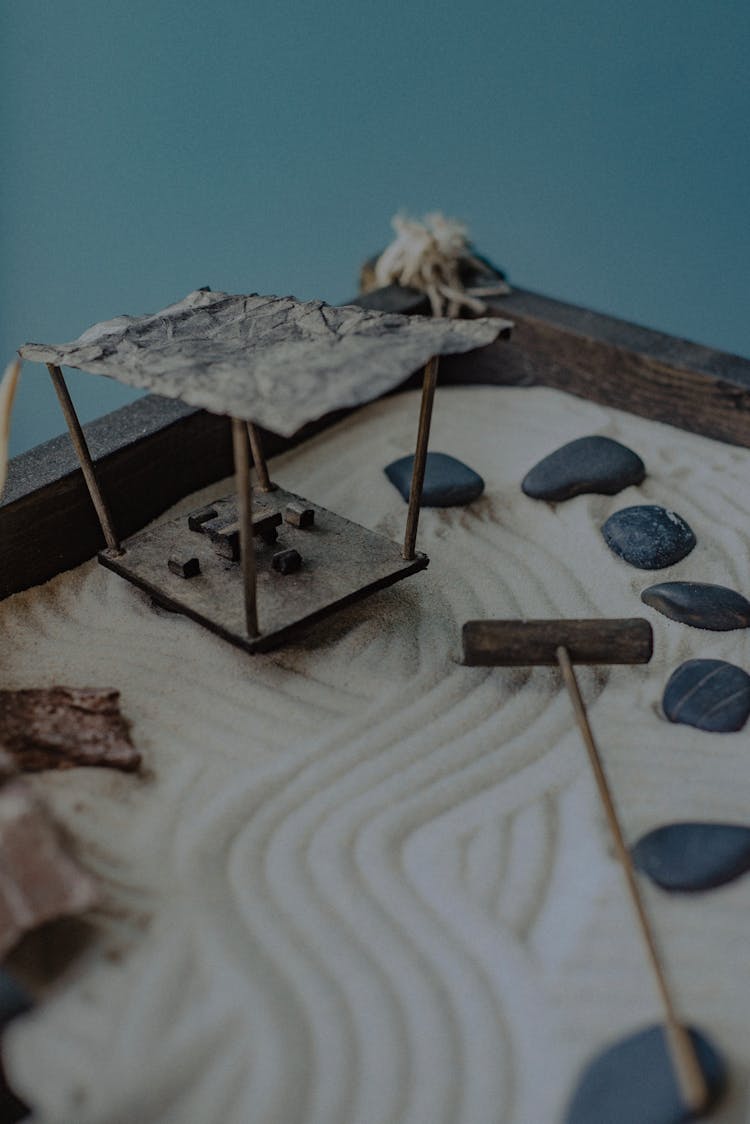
(616, 363)
(605, 359)
(525, 643)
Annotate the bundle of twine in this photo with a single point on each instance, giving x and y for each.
(433, 256)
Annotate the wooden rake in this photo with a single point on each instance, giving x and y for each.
(517, 643)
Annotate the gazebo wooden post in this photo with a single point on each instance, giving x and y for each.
(84, 457)
(245, 515)
(259, 459)
(429, 382)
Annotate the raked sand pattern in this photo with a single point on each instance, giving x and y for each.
(358, 882)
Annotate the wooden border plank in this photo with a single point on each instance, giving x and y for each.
(616, 363)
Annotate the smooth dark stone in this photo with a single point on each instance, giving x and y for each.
(447, 482)
(589, 464)
(648, 536)
(686, 857)
(633, 1082)
(699, 604)
(709, 694)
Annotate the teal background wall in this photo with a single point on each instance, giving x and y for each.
(598, 150)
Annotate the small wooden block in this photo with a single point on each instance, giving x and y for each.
(225, 533)
(196, 519)
(264, 524)
(287, 561)
(299, 516)
(184, 567)
(225, 539)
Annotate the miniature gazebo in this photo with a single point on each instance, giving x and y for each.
(278, 363)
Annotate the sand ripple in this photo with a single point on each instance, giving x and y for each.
(360, 883)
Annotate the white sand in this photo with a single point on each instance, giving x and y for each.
(363, 884)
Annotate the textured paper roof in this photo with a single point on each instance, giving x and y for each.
(273, 360)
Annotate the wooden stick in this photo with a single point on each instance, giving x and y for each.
(519, 643)
(420, 456)
(259, 459)
(690, 1078)
(245, 517)
(84, 456)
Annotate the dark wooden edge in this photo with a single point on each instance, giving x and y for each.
(524, 643)
(266, 642)
(155, 451)
(616, 363)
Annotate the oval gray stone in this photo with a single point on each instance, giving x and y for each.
(711, 695)
(689, 857)
(699, 604)
(588, 464)
(648, 536)
(448, 482)
(633, 1082)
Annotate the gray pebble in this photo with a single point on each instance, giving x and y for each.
(648, 536)
(448, 482)
(699, 604)
(711, 695)
(633, 1082)
(688, 857)
(588, 464)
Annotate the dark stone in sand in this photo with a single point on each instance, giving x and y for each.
(447, 482)
(686, 857)
(711, 695)
(648, 536)
(633, 1082)
(589, 464)
(699, 604)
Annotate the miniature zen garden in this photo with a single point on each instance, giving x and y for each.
(261, 565)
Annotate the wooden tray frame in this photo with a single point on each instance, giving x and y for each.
(165, 450)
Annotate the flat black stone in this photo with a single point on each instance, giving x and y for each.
(447, 482)
(648, 536)
(711, 695)
(699, 604)
(633, 1082)
(688, 857)
(588, 464)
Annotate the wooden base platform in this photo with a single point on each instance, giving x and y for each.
(342, 562)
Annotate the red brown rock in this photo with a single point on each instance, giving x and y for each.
(39, 881)
(59, 727)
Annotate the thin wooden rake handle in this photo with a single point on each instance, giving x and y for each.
(690, 1078)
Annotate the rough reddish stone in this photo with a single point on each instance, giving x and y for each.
(59, 727)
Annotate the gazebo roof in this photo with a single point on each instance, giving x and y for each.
(276, 361)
